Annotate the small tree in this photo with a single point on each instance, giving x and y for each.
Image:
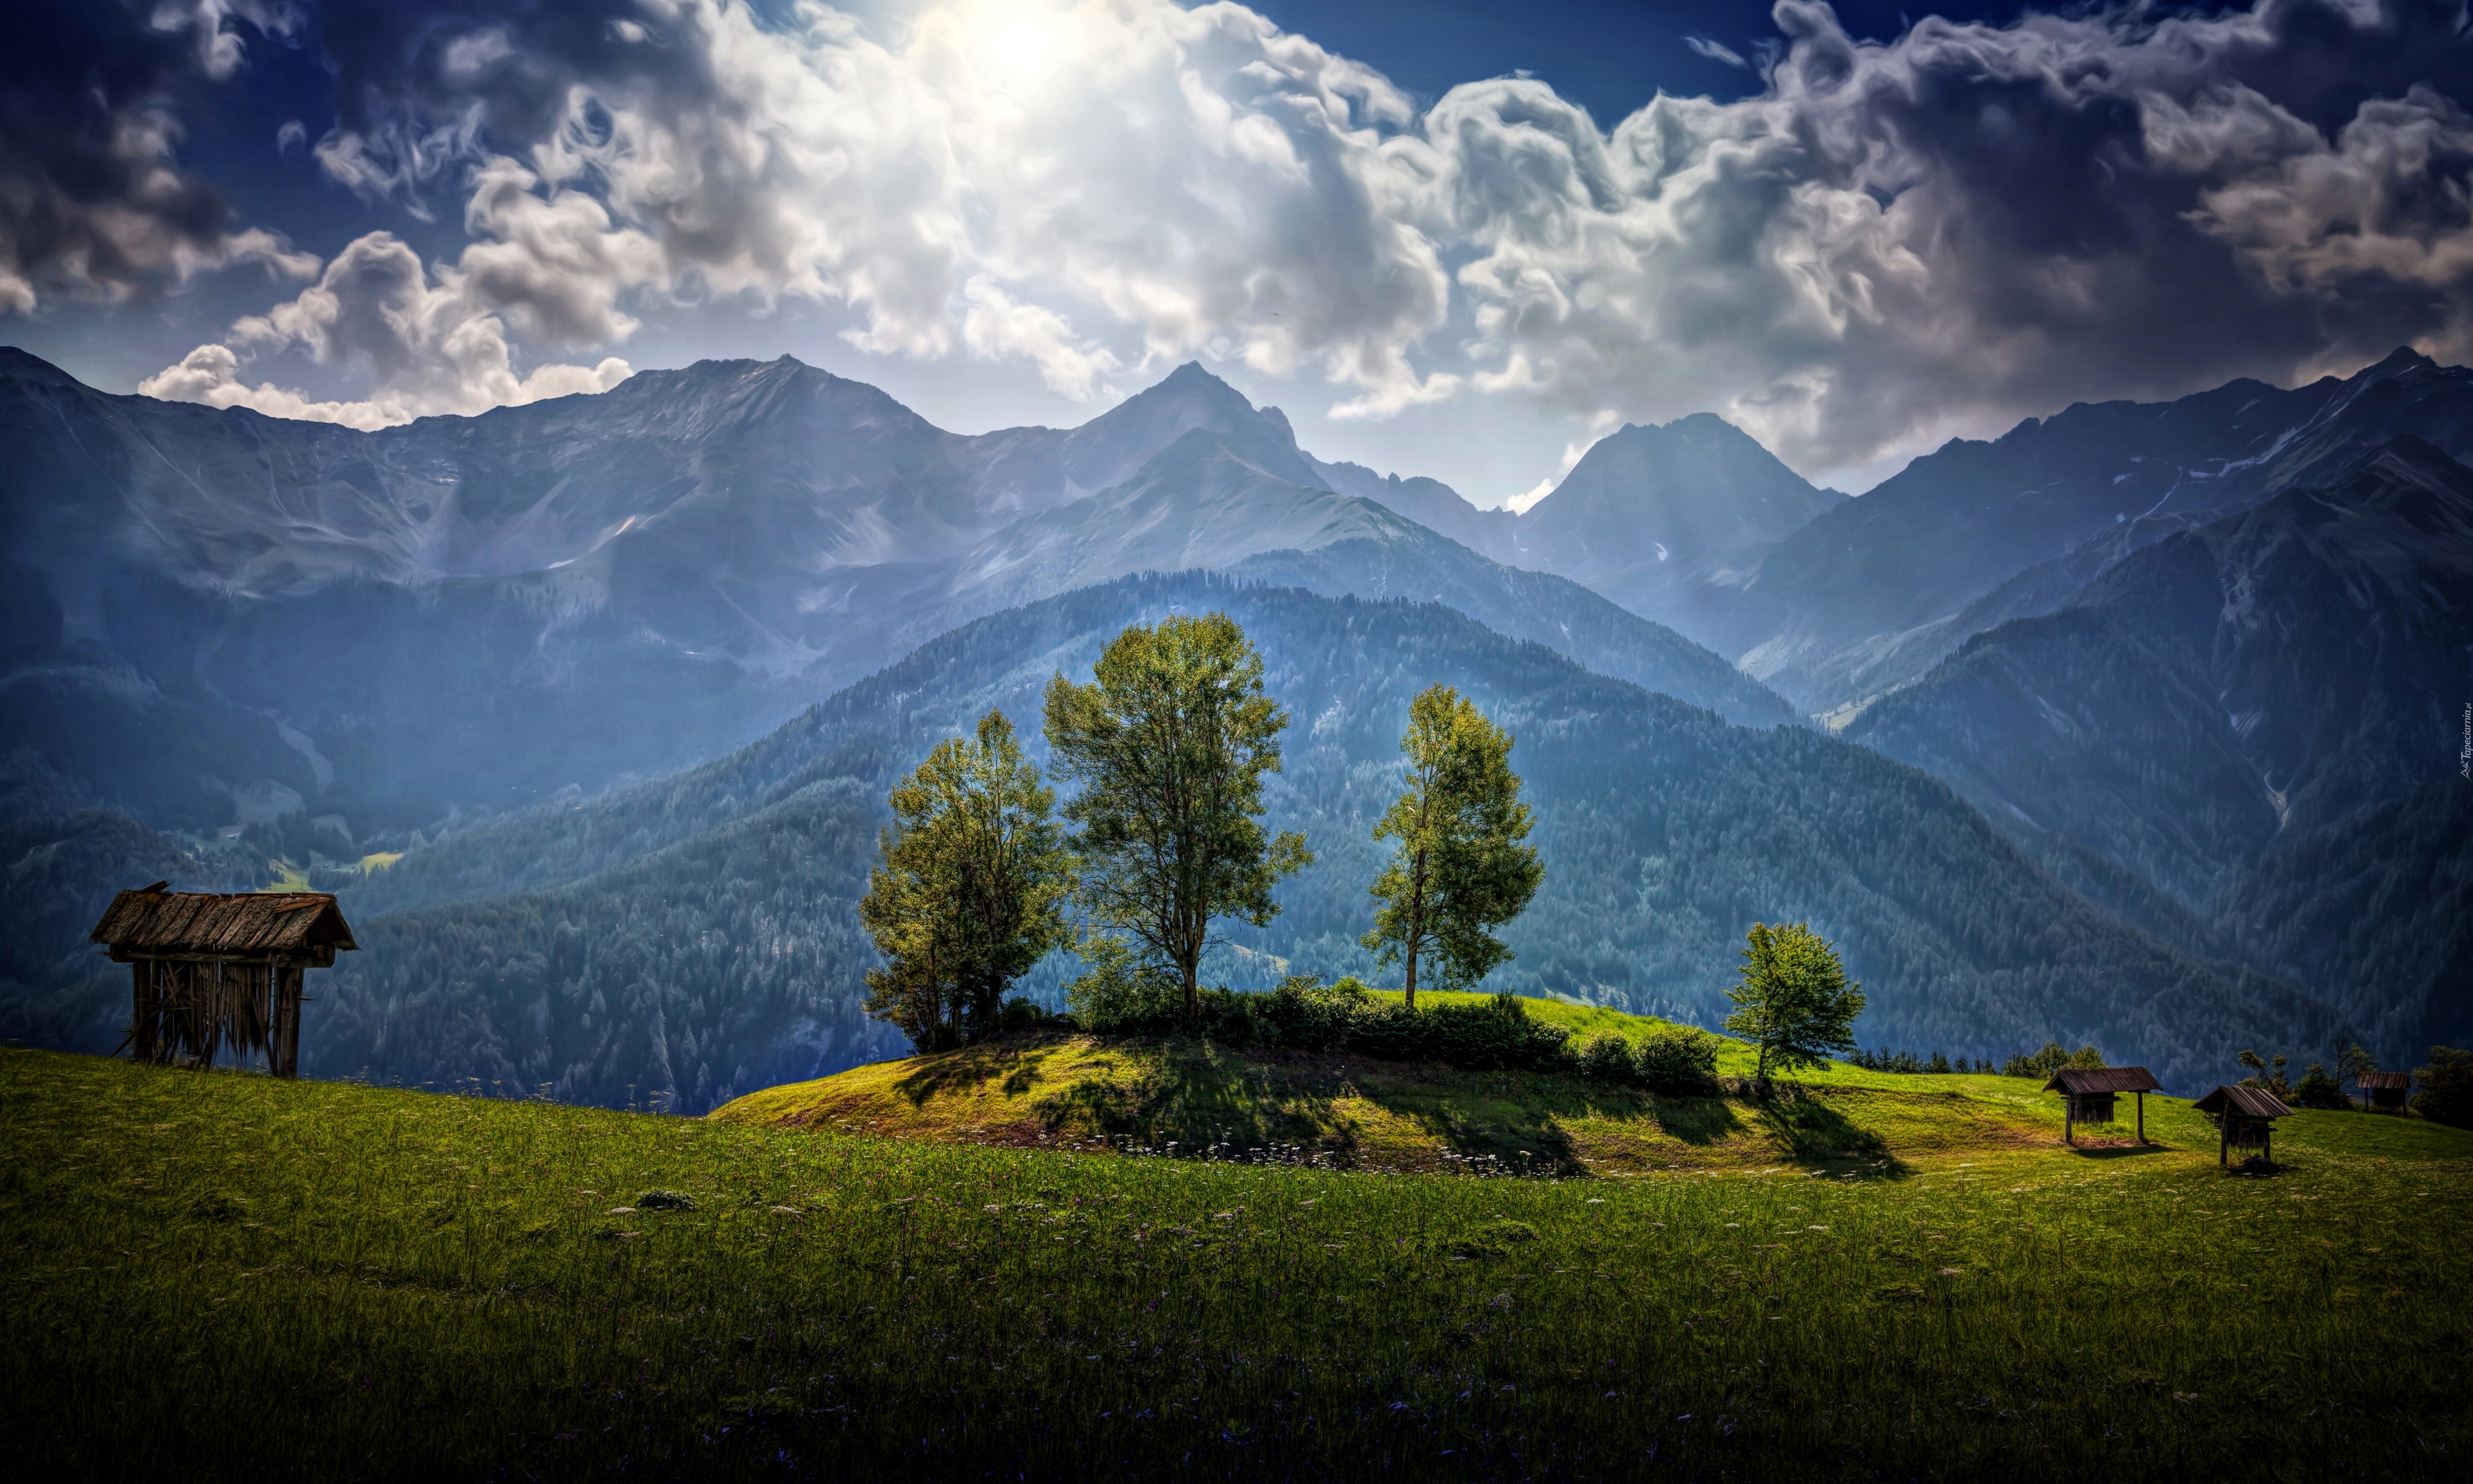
(1793, 1000)
(1460, 868)
(2317, 1090)
(2445, 1094)
(2266, 1073)
(969, 889)
(1169, 743)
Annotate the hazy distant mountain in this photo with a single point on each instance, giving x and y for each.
(1647, 503)
(2226, 690)
(1872, 593)
(1434, 505)
(1645, 511)
(696, 936)
(210, 613)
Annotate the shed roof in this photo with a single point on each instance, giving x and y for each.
(2397, 1081)
(156, 921)
(2248, 1102)
(2104, 1078)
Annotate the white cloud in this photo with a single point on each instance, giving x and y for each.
(994, 326)
(425, 347)
(1717, 51)
(1888, 242)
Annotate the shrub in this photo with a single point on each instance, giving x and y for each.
(1120, 992)
(2051, 1059)
(1491, 1035)
(1608, 1058)
(1678, 1062)
(2317, 1090)
(2445, 1091)
(1020, 1014)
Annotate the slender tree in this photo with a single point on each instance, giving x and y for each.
(1170, 744)
(1460, 868)
(970, 888)
(1792, 1000)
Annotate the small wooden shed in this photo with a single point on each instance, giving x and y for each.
(211, 970)
(2245, 1119)
(2088, 1096)
(2383, 1092)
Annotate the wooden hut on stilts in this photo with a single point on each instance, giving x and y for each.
(2088, 1096)
(2245, 1119)
(2383, 1092)
(211, 971)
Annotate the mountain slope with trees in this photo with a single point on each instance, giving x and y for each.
(721, 952)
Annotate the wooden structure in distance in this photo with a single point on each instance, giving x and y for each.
(210, 970)
(2383, 1092)
(2245, 1119)
(2088, 1094)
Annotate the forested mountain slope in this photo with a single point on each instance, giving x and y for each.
(697, 938)
(2205, 708)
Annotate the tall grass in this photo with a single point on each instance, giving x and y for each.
(226, 1274)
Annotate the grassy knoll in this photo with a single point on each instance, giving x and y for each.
(226, 1274)
(1056, 1090)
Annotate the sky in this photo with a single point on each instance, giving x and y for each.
(1447, 238)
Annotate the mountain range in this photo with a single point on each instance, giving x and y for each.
(2137, 725)
(214, 614)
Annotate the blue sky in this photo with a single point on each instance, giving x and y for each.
(1447, 237)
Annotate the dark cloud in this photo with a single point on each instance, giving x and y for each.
(92, 200)
(1974, 223)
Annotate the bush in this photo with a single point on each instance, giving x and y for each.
(2445, 1091)
(2051, 1059)
(1607, 1058)
(1678, 1062)
(1120, 992)
(2317, 1090)
(1020, 1014)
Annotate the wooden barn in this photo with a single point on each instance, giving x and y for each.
(2245, 1119)
(2092, 1094)
(2383, 1092)
(211, 971)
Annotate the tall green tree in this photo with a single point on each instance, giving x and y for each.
(1459, 869)
(1793, 999)
(968, 890)
(1170, 744)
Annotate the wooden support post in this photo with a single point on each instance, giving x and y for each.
(2141, 1117)
(2068, 1119)
(2223, 1139)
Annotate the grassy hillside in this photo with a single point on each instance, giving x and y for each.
(1350, 1111)
(220, 1275)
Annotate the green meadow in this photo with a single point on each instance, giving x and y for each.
(223, 1274)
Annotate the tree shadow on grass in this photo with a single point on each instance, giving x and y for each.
(1195, 1095)
(1017, 1061)
(1811, 1132)
(1696, 1120)
(1516, 1119)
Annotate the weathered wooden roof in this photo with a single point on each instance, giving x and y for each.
(2393, 1081)
(2104, 1078)
(2248, 1102)
(154, 920)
